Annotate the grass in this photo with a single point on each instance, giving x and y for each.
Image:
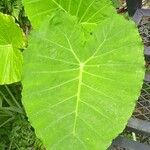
(16, 133)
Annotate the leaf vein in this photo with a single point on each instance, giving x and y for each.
(59, 141)
(90, 126)
(57, 71)
(86, 85)
(95, 109)
(55, 43)
(64, 61)
(56, 121)
(59, 6)
(98, 76)
(97, 12)
(59, 85)
(76, 57)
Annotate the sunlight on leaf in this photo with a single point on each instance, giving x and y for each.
(12, 40)
(80, 83)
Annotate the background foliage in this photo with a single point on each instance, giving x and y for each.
(16, 132)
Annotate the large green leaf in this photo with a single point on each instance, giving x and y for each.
(80, 87)
(87, 12)
(11, 41)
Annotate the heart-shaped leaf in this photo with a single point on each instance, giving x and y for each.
(11, 41)
(80, 82)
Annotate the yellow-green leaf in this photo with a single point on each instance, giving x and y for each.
(12, 40)
(80, 82)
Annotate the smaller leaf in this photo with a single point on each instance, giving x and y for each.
(12, 40)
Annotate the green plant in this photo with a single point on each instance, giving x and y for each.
(15, 131)
(81, 65)
(78, 76)
(12, 40)
(11, 7)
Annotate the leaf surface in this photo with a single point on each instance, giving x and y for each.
(80, 87)
(11, 41)
(87, 12)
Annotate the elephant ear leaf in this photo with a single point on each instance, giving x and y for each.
(87, 12)
(11, 41)
(80, 87)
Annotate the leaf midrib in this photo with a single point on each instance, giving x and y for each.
(78, 97)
